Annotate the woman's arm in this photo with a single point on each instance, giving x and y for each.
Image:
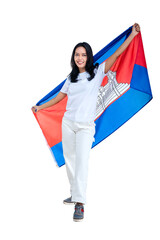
(53, 101)
(110, 61)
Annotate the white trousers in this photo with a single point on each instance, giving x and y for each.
(77, 139)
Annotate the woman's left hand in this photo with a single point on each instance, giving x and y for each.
(135, 29)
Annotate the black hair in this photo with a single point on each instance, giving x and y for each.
(89, 64)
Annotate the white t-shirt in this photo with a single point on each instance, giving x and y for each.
(82, 95)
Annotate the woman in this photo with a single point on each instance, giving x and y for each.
(78, 127)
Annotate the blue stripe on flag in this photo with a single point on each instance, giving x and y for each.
(57, 152)
(140, 80)
(119, 112)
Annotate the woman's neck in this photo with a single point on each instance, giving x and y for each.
(81, 70)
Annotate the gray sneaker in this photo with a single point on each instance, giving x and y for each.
(68, 201)
(79, 213)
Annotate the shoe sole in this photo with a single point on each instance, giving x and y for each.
(67, 203)
(77, 220)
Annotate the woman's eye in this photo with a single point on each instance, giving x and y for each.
(83, 55)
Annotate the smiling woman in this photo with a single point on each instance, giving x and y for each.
(81, 61)
(80, 58)
(78, 126)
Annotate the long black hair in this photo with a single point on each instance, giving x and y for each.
(89, 64)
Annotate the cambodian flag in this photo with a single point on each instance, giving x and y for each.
(123, 92)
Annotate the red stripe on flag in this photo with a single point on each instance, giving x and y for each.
(140, 60)
(51, 120)
(125, 63)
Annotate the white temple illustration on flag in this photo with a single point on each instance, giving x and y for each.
(109, 93)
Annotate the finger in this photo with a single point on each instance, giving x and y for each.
(137, 27)
(34, 109)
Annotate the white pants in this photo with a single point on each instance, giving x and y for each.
(77, 139)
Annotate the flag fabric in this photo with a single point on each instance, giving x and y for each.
(123, 92)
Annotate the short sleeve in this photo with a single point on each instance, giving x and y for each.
(100, 73)
(65, 86)
(101, 69)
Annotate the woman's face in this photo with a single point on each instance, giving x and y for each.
(80, 58)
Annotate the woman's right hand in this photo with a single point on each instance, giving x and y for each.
(35, 108)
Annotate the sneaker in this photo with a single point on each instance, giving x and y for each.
(79, 213)
(68, 201)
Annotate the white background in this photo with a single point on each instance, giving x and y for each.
(36, 42)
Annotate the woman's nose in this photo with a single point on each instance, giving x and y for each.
(80, 57)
